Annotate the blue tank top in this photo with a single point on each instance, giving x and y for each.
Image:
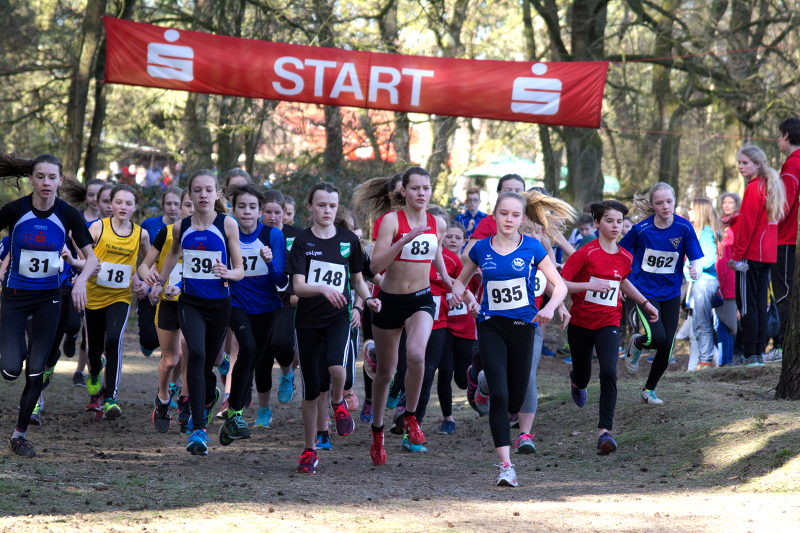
(508, 280)
(257, 292)
(201, 250)
(153, 225)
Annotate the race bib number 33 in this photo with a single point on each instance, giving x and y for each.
(659, 261)
(324, 273)
(197, 264)
(508, 294)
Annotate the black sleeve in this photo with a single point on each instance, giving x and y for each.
(356, 256)
(161, 238)
(76, 225)
(296, 261)
(9, 214)
(367, 263)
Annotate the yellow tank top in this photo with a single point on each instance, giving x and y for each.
(175, 275)
(117, 256)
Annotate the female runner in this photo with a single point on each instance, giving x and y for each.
(39, 225)
(658, 244)
(325, 262)
(509, 262)
(406, 244)
(595, 274)
(209, 242)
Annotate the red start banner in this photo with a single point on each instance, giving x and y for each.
(568, 94)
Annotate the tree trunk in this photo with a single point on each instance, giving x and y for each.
(198, 146)
(443, 130)
(401, 138)
(91, 32)
(789, 383)
(552, 162)
(333, 156)
(584, 154)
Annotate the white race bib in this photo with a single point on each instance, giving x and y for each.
(38, 263)
(114, 276)
(422, 248)
(659, 261)
(505, 295)
(539, 283)
(175, 275)
(609, 298)
(460, 309)
(197, 264)
(323, 273)
(254, 265)
(437, 300)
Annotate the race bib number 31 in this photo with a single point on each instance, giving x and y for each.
(505, 295)
(114, 276)
(39, 264)
(323, 273)
(422, 248)
(608, 299)
(197, 264)
(659, 261)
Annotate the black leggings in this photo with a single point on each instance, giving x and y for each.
(352, 355)
(605, 341)
(203, 324)
(148, 338)
(752, 300)
(453, 366)
(17, 306)
(660, 336)
(506, 348)
(252, 332)
(65, 319)
(319, 349)
(280, 347)
(104, 330)
(439, 343)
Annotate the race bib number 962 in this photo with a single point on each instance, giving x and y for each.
(659, 261)
(508, 294)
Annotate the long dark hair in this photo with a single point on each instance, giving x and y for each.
(376, 197)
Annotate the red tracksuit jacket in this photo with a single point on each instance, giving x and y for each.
(754, 237)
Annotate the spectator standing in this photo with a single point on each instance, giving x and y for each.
(471, 216)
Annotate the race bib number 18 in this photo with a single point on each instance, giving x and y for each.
(659, 261)
(505, 295)
(114, 276)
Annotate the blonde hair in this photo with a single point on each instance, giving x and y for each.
(776, 193)
(704, 214)
(550, 213)
(643, 202)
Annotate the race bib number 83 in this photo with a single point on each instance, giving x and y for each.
(659, 261)
(508, 294)
(422, 248)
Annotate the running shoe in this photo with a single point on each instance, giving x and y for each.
(481, 398)
(652, 358)
(507, 476)
(760, 359)
(174, 394)
(78, 379)
(145, 351)
(286, 388)
(223, 408)
(649, 396)
(370, 361)
(22, 447)
(513, 421)
(524, 444)
(111, 409)
(95, 404)
(197, 444)
(472, 386)
(567, 360)
(751, 360)
(323, 441)
(563, 349)
(547, 352)
(308, 462)
(622, 352)
(606, 444)
(234, 428)
(47, 376)
(210, 407)
(160, 418)
(377, 452)
(578, 395)
(393, 401)
(69, 345)
(412, 429)
(704, 365)
(184, 414)
(345, 424)
(351, 399)
(448, 427)
(632, 357)
(411, 447)
(94, 384)
(225, 365)
(36, 415)
(366, 412)
(263, 417)
(774, 356)
(397, 420)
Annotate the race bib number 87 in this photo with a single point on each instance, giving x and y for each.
(508, 294)
(659, 261)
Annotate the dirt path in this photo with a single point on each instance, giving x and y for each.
(720, 455)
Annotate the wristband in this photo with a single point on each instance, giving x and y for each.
(356, 308)
(645, 302)
(368, 298)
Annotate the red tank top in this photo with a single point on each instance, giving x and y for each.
(423, 248)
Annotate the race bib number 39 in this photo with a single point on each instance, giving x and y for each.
(422, 248)
(114, 276)
(197, 264)
(39, 264)
(505, 295)
(323, 273)
(608, 299)
(659, 261)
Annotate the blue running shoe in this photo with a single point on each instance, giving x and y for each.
(145, 351)
(578, 395)
(263, 417)
(225, 365)
(606, 444)
(286, 388)
(567, 360)
(413, 448)
(198, 443)
(448, 427)
(547, 352)
(632, 356)
(324, 441)
(366, 412)
(174, 394)
(111, 409)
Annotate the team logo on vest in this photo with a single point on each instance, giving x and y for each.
(344, 248)
(675, 242)
(518, 264)
(289, 243)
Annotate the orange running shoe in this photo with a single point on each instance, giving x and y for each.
(377, 452)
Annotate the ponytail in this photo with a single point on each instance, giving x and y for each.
(549, 212)
(643, 202)
(12, 166)
(776, 192)
(374, 198)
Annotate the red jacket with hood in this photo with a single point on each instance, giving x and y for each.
(754, 237)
